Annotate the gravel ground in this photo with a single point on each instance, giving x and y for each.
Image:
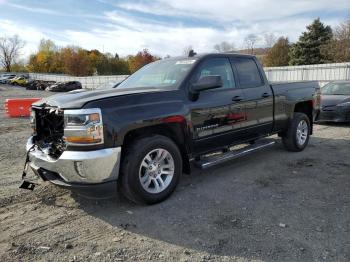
(270, 206)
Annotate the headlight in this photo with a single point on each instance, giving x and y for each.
(83, 127)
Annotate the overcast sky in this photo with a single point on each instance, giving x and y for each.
(163, 26)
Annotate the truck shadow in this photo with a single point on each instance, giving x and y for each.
(334, 124)
(268, 205)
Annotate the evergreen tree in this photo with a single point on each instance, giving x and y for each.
(307, 50)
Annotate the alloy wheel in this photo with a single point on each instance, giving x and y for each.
(156, 171)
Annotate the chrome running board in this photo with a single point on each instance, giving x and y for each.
(213, 160)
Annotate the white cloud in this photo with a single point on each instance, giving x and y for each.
(34, 9)
(31, 35)
(124, 33)
(228, 10)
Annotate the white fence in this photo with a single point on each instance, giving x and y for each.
(323, 72)
(89, 82)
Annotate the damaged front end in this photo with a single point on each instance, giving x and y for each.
(47, 124)
(55, 129)
(48, 130)
(67, 148)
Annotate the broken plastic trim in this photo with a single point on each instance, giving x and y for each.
(25, 183)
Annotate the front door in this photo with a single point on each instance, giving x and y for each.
(218, 114)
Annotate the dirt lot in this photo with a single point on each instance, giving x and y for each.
(270, 206)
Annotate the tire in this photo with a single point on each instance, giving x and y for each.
(297, 136)
(136, 168)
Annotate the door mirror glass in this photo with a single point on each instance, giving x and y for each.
(206, 83)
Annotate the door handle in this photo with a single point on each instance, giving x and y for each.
(236, 98)
(265, 95)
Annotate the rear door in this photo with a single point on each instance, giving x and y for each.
(218, 113)
(258, 95)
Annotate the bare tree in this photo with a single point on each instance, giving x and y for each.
(270, 39)
(250, 41)
(224, 47)
(338, 49)
(187, 50)
(342, 32)
(9, 50)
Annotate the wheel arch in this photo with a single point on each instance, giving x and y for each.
(173, 131)
(306, 107)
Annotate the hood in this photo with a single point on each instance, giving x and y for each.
(80, 98)
(333, 100)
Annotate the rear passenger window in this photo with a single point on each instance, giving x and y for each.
(248, 72)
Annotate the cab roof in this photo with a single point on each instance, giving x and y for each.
(204, 55)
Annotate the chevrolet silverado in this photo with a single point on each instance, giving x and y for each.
(142, 135)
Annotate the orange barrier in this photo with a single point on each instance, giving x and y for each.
(19, 107)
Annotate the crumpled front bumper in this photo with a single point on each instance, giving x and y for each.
(76, 169)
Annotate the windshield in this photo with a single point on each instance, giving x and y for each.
(162, 73)
(336, 89)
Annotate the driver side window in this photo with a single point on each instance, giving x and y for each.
(217, 66)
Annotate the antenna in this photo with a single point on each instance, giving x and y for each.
(191, 53)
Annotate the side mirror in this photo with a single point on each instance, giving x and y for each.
(205, 83)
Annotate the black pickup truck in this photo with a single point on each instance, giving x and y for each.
(142, 135)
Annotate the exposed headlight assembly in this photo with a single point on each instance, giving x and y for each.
(83, 126)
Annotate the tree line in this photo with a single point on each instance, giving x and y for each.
(81, 62)
(317, 45)
(72, 60)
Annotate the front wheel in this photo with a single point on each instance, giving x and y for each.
(297, 136)
(150, 170)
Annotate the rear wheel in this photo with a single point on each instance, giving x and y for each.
(150, 170)
(297, 136)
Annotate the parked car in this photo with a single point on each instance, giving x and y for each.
(31, 85)
(335, 102)
(5, 78)
(64, 86)
(38, 84)
(6, 74)
(18, 81)
(141, 136)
